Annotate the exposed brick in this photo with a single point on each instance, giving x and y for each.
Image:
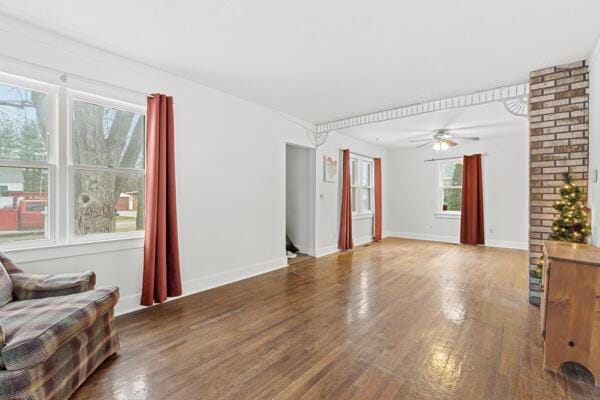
(543, 71)
(556, 75)
(570, 79)
(552, 117)
(538, 99)
(554, 103)
(556, 89)
(556, 129)
(558, 143)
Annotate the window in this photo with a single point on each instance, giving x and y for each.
(361, 183)
(72, 165)
(108, 167)
(450, 186)
(26, 137)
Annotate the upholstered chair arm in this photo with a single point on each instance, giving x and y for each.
(31, 286)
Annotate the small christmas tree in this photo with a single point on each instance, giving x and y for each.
(571, 224)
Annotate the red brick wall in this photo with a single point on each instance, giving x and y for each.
(558, 143)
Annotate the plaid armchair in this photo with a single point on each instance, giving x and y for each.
(55, 330)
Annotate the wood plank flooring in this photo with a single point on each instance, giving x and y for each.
(400, 319)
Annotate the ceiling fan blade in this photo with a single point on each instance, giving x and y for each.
(424, 144)
(420, 140)
(449, 142)
(466, 137)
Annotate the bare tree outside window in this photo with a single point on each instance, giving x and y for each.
(23, 146)
(109, 174)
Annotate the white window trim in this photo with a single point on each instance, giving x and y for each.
(439, 212)
(61, 239)
(71, 97)
(50, 163)
(360, 213)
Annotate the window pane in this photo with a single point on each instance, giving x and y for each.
(353, 171)
(452, 199)
(23, 124)
(107, 202)
(365, 174)
(452, 174)
(23, 203)
(106, 136)
(353, 199)
(365, 199)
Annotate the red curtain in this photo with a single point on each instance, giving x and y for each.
(471, 210)
(345, 239)
(162, 275)
(377, 217)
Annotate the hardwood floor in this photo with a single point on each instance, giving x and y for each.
(398, 319)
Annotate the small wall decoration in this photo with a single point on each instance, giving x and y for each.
(330, 168)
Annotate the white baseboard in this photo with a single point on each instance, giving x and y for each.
(422, 236)
(323, 251)
(451, 239)
(507, 244)
(363, 240)
(131, 302)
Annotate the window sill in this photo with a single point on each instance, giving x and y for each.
(448, 215)
(56, 251)
(362, 216)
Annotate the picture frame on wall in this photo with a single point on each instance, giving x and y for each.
(330, 169)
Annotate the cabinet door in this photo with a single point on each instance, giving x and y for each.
(544, 288)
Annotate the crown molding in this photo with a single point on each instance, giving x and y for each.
(509, 95)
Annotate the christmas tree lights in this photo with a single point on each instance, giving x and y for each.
(571, 225)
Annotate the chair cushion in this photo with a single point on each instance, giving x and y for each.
(6, 287)
(35, 329)
(10, 266)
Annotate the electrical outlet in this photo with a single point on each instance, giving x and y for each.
(491, 230)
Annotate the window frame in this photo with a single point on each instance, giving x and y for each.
(59, 163)
(440, 190)
(49, 164)
(72, 96)
(359, 212)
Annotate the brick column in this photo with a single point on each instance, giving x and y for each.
(558, 143)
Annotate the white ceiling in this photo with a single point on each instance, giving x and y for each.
(324, 60)
(485, 121)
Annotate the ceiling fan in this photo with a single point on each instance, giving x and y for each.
(442, 140)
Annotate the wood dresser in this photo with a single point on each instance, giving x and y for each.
(570, 307)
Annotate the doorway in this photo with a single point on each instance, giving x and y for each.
(299, 202)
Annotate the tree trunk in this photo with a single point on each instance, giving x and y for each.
(95, 204)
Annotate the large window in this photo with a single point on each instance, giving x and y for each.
(450, 186)
(72, 165)
(107, 170)
(361, 183)
(26, 170)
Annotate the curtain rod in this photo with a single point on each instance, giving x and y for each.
(358, 154)
(450, 158)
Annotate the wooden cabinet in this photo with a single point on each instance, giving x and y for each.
(570, 306)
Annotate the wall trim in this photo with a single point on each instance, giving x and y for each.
(422, 236)
(54, 252)
(323, 251)
(505, 94)
(507, 244)
(451, 239)
(130, 303)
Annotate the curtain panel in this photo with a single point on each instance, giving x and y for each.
(162, 273)
(471, 211)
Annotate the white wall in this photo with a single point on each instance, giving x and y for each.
(298, 196)
(594, 146)
(413, 192)
(230, 171)
(328, 194)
